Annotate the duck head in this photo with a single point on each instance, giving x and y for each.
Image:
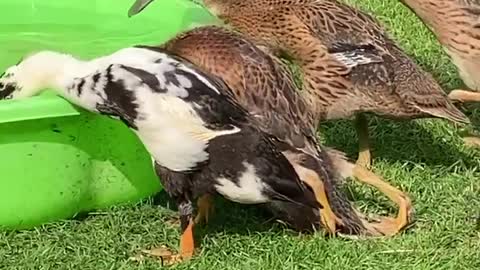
(32, 75)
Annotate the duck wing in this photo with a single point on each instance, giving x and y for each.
(272, 98)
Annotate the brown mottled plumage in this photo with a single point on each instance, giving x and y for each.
(265, 87)
(280, 110)
(350, 64)
(456, 24)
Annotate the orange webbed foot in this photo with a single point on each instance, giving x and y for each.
(386, 226)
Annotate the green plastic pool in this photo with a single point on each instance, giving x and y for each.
(55, 159)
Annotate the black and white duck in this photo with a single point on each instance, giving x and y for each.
(188, 121)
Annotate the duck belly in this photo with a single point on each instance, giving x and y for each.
(246, 188)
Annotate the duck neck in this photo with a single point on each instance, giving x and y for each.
(67, 76)
(48, 70)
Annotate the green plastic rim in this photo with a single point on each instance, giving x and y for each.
(55, 159)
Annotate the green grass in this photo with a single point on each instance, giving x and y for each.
(424, 158)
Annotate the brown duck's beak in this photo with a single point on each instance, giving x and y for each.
(138, 6)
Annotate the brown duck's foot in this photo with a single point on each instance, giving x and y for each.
(472, 141)
(364, 156)
(205, 208)
(386, 226)
(168, 257)
(464, 96)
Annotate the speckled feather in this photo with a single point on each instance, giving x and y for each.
(456, 24)
(350, 63)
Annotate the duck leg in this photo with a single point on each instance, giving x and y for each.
(472, 141)
(464, 96)
(187, 242)
(364, 156)
(386, 226)
(205, 208)
(177, 185)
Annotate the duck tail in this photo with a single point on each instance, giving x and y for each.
(448, 111)
(419, 88)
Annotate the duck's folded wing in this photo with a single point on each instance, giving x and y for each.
(352, 36)
(257, 81)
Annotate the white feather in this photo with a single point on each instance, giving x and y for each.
(247, 191)
(201, 78)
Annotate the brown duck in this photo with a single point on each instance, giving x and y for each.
(262, 85)
(350, 65)
(456, 25)
(265, 87)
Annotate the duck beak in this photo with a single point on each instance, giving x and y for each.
(138, 6)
